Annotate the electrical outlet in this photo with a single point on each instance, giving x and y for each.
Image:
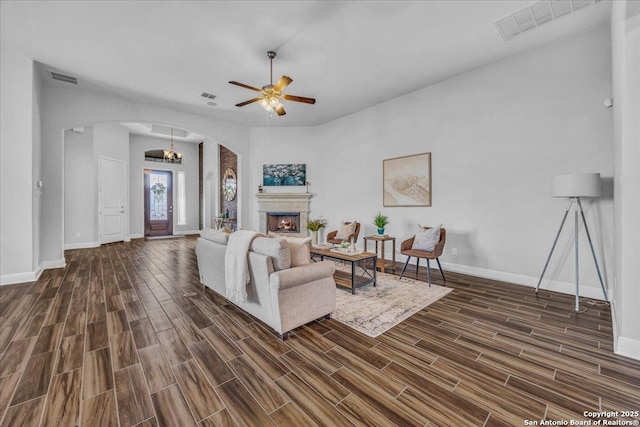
(454, 251)
(78, 234)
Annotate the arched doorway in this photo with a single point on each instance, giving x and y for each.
(83, 216)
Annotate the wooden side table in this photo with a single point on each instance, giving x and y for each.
(382, 261)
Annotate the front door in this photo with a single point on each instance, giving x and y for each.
(112, 196)
(158, 203)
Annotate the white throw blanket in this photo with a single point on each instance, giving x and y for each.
(236, 265)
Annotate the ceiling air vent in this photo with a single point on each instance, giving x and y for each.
(207, 95)
(63, 77)
(536, 14)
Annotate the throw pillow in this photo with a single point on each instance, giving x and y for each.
(345, 230)
(299, 247)
(277, 249)
(426, 240)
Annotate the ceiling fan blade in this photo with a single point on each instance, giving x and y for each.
(280, 111)
(282, 83)
(245, 86)
(242, 104)
(299, 99)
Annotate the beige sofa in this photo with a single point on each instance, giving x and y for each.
(282, 296)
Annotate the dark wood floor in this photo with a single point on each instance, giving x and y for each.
(112, 340)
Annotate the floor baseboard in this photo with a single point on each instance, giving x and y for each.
(520, 279)
(628, 347)
(31, 276)
(82, 245)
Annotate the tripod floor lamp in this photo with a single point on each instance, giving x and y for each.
(574, 187)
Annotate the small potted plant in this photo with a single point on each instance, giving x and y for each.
(314, 225)
(381, 222)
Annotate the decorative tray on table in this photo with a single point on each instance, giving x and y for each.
(322, 245)
(346, 251)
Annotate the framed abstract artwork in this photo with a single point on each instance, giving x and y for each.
(407, 180)
(284, 174)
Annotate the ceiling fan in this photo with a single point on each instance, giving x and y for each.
(271, 94)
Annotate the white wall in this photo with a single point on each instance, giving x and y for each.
(497, 135)
(67, 108)
(625, 26)
(211, 184)
(138, 145)
(80, 190)
(36, 133)
(17, 132)
(110, 140)
(82, 153)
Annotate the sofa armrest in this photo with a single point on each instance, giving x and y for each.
(300, 275)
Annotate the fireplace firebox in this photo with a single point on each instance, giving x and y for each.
(283, 222)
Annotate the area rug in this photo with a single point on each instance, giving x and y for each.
(374, 310)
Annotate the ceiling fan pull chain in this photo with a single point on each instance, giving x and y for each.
(268, 118)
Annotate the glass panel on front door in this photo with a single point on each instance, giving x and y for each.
(158, 196)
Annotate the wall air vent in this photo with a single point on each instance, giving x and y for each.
(207, 95)
(536, 14)
(63, 77)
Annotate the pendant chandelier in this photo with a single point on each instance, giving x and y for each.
(170, 155)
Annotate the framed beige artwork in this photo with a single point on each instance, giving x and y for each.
(407, 180)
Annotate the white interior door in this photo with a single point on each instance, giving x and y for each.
(112, 200)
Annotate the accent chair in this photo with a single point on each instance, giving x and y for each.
(332, 235)
(406, 249)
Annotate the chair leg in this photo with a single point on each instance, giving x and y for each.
(284, 336)
(441, 272)
(417, 263)
(428, 273)
(405, 266)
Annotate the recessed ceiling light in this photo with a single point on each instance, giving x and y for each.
(211, 103)
(207, 95)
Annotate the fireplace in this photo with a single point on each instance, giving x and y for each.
(284, 204)
(283, 222)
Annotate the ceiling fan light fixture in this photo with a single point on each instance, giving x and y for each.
(269, 99)
(264, 103)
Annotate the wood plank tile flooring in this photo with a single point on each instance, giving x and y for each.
(111, 340)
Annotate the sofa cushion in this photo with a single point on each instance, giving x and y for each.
(426, 240)
(217, 236)
(345, 230)
(299, 246)
(277, 249)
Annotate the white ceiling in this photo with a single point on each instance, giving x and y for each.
(348, 55)
(162, 132)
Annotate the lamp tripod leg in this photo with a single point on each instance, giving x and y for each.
(593, 252)
(575, 217)
(546, 264)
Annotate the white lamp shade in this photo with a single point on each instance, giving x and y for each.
(576, 185)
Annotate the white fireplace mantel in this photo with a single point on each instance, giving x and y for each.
(284, 202)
